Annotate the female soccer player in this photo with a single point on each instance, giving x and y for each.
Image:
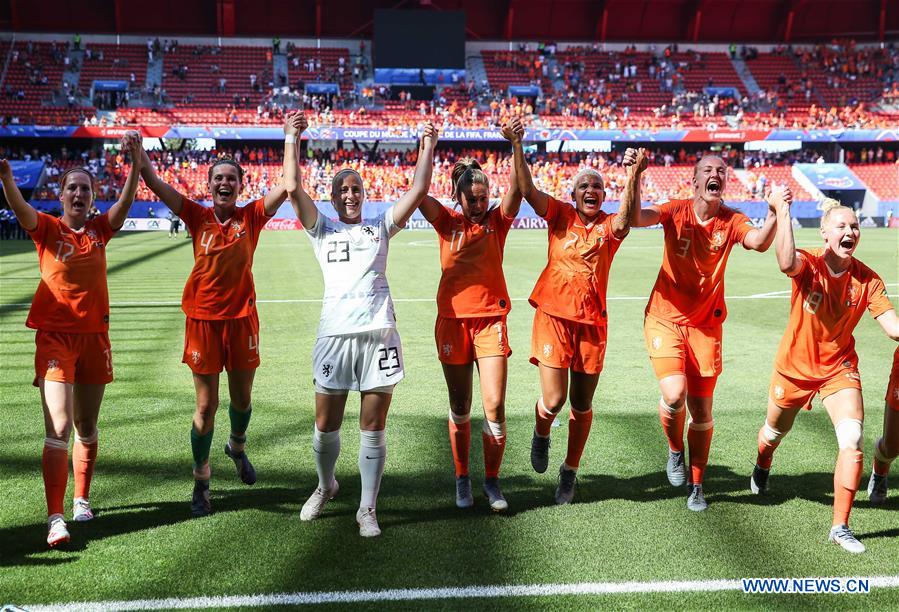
(686, 308)
(472, 304)
(887, 447)
(569, 332)
(831, 290)
(358, 347)
(219, 299)
(70, 311)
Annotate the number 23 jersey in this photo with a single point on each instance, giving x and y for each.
(353, 259)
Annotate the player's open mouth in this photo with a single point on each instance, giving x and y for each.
(847, 243)
(78, 206)
(714, 187)
(225, 192)
(591, 200)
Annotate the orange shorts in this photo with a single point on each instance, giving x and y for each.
(789, 392)
(461, 341)
(560, 343)
(73, 358)
(892, 397)
(694, 352)
(230, 344)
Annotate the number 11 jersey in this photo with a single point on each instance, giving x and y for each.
(353, 259)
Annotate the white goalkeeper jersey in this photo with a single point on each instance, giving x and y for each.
(353, 259)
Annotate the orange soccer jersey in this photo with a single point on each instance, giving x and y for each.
(471, 257)
(72, 295)
(824, 310)
(573, 284)
(220, 286)
(690, 287)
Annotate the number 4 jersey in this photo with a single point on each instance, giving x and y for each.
(353, 259)
(72, 295)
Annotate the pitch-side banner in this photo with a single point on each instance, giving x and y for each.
(228, 132)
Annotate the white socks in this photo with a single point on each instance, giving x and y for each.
(326, 445)
(372, 456)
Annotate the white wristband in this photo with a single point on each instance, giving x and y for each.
(290, 138)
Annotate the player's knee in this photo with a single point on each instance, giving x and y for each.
(554, 401)
(886, 450)
(849, 434)
(86, 429)
(675, 400)
(771, 434)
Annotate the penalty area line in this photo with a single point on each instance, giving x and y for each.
(446, 593)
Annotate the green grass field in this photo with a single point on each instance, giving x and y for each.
(627, 523)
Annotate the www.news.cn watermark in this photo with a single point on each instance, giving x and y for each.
(806, 585)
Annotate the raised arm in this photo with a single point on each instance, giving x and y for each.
(512, 131)
(779, 200)
(25, 214)
(635, 162)
(294, 125)
(165, 192)
(118, 212)
(411, 200)
(429, 207)
(538, 200)
(760, 239)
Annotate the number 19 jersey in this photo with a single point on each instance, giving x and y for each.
(353, 259)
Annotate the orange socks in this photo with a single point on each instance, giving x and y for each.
(769, 440)
(672, 420)
(881, 461)
(494, 439)
(699, 439)
(544, 419)
(55, 467)
(83, 460)
(845, 484)
(460, 441)
(578, 431)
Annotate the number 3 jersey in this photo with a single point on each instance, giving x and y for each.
(353, 259)
(824, 310)
(220, 286)
(72, 295)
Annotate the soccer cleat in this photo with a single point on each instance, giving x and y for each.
(368, 523)
(245, 470)
(842, 535)
(677, 473)
(565, 490)
(539, 453)
(758, 482)
(200, 504)
(313, 507)
(81, 510)
(877, 489)
(57, 533)
(463, 492)
(498, 503)
(695, 500)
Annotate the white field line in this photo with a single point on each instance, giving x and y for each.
(771, 295)
(392, 595)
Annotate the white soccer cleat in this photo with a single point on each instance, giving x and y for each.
(368, 523)
(696, 500)
(675, 468)
(842, 535)
(81, 510)
(57, 532)
(313, 507)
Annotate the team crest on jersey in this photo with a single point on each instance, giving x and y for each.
(547, 350)
(53, 364)
(195, 357)
(91, 234)
(327, 370)
(779, 392)
(238, 229)
(717, 240)
(657, 342)
(854, 292)
(446, 349)
(369, 231)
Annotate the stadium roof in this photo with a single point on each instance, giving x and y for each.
(602, 20)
